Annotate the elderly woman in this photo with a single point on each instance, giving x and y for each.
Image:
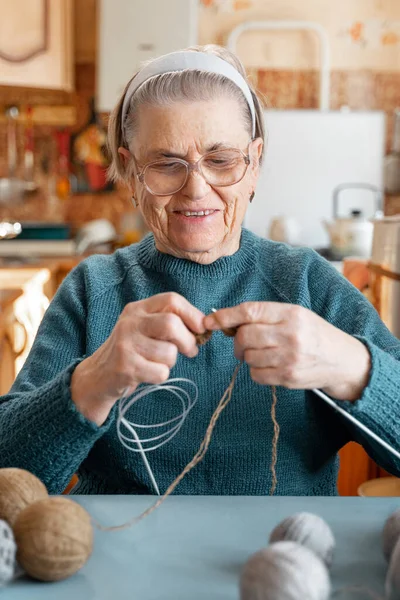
(187, 138)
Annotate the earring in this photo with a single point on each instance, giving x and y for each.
(252, 196)
(134, 202)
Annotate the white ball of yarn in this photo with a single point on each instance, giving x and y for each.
(310, 531)
(392, 583)
(8, 551)
(284, 571)
(390, 534)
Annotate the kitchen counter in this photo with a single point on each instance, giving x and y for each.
(7, 299)
(44, 272)
(51, 264)
(194, 547)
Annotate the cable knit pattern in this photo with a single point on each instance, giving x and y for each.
(42, 431)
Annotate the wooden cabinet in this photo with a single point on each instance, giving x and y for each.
(85, 28)
(23, 301)
(25, 294)
(356, 466)
(13, 338)
(36, 43)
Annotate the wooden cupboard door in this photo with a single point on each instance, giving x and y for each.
(355, 468)
(36, 43)
(7, 364)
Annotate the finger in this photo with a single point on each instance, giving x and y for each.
(156, 351)
(266, 376)
(146, 371)
(287, 376)
(177, 304)
(257, 336)
(262, 359)
(248, 312)
(170, 328)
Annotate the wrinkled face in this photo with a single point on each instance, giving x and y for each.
(188, 131)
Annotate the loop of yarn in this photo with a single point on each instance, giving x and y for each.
(166, 430)
(8, 550)
(310, 531)
(198, 457)
(285, 571)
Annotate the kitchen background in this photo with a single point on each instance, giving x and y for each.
(364, 40)
(63, 64)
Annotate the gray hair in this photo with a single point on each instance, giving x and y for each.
(182, 86)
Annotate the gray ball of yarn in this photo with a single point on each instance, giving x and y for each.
(284, 571)
(392, 583)
(310, 531)
(8, 551)
(390, 534)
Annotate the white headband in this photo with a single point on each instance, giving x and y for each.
(180, 61)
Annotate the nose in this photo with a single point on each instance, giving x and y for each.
(196, 187)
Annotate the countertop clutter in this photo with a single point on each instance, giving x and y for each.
(196, 547)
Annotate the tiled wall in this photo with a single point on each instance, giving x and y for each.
(359, 90)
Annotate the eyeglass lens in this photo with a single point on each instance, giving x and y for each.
(221, 168)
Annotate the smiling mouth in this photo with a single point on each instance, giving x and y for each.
(196, 213)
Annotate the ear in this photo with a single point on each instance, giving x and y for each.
(256, 151)
(126, 155)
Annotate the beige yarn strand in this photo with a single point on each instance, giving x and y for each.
(274, 441)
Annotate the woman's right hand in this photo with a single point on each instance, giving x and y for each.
(142, 348)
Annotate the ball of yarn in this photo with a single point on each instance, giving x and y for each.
(18, 489)
(392, 583)
(284, 571)
(310, 531)
(7, 553)
(390, 534)
(54, 538)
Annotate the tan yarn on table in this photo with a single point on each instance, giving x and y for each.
(198, 457)
(54, 538)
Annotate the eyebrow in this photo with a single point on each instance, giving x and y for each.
(164, 153)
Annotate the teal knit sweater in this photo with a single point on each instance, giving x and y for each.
(42, 431)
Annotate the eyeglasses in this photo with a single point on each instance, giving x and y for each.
(219, 168)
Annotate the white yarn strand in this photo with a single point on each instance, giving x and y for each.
(133, 442)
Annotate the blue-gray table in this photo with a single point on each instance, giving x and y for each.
(193, 548)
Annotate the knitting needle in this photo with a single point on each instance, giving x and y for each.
(357, 423)
(231, 332)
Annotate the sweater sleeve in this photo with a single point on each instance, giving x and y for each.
(41, 430)
(335, 299)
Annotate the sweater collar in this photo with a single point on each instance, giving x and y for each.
(151, 258)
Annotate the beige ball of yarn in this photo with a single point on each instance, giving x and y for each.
(310, 531)
(54, 538)
(390, 534)
(285, 571)
(18, 489)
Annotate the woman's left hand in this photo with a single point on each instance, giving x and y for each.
(291, 346)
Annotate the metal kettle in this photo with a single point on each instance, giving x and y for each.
(352, 235)
(9, 230)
